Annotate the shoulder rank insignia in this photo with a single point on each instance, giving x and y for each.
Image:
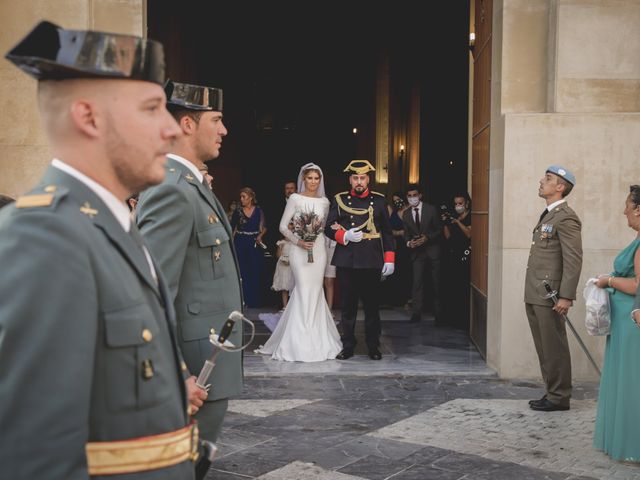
(377, 193)
(87, 210)
(37, 200)
(189, 177)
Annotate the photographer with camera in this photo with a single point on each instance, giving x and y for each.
(422, 233)
(457, 232)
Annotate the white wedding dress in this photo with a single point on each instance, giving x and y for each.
(306, 331)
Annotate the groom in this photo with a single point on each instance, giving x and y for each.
(363, 253)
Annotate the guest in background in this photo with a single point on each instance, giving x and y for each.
(398, 286)
(283, 277)
(249, 227)
(232, 207)
(617, 430)
(423, 233)
(283, 269)
(289, 188)
(457, 258)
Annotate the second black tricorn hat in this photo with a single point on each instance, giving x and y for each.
(193, 97)
(50, 52)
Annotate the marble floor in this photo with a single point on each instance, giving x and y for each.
(430, 409)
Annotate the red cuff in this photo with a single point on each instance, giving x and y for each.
(389, 257)
(340, 236)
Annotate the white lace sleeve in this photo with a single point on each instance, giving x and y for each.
(289, 211)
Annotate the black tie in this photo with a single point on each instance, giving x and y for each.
(544, 212)
(417, 210)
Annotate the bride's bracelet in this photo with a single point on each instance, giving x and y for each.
(633, 318)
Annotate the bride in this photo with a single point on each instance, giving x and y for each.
(306, 331)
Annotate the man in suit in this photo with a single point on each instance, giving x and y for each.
(188, 231)
(423, 232)
(555, 258)
(289, 188)
(363, 253)
(91, 372)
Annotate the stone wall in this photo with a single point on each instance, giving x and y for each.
(23, 146)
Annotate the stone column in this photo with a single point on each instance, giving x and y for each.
(566, 78)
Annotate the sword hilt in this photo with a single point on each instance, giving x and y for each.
(207, 368)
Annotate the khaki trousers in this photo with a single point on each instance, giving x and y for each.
(550, 338)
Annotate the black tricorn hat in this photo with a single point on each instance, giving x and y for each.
(193, 97)
(50, 52)
(359, 167)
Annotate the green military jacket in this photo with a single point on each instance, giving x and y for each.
(87, 348)
(189, 234)
(555, 256)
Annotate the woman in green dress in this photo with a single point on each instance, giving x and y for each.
(617, 429)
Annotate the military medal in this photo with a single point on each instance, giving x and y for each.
(547, 231)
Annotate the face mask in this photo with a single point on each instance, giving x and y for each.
(398, 204)
(414, 201)
(460, 209)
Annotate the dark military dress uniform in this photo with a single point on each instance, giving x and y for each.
(360, 263)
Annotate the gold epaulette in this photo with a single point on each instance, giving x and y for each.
(43, 198)
(143, 454)
(36, 200)
(377, 193)
(341, 193)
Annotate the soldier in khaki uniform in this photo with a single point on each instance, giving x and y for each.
(91, 377)
(555, 257)
(189, 233)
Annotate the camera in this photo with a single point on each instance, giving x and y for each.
(445, 215)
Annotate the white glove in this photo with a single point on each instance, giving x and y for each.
(388, 269)
(353, 235)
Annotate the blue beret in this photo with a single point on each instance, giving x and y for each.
(562, 172)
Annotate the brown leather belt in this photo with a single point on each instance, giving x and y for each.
(144, 453)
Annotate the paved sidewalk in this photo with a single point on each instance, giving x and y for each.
(366, 420)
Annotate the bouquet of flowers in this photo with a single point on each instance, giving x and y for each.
(307, 225)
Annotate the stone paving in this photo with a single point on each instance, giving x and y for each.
(454, 422)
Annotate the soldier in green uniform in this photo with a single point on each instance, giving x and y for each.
(188, 232)
(92, 377)
(555, 258)
(358, 221)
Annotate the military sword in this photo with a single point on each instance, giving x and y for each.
(553, 294)
(220, 343)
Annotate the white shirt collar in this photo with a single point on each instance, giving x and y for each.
(187, 164)
(115, 206)
(555, 204)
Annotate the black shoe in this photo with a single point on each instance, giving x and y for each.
(374, 353)
(345, 354)
(547, 406)
(415, 318)
(536, 402)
